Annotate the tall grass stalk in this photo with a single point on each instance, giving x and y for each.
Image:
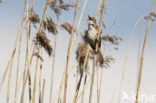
(71, 43)
(85, 86)
(68, 55)
(99, 93)
(78, 25)
(138, 57)
(9, 80)
(15, 46)
(27, 51)
(35, 78)
(142, 54)
(17, 72)
(127, 52)
(97, 84)
(18, 62)
(97, 13)
(40, 78)
(53, 65)
(61, 86)
(98, 9)
(84, 65)
(16, 92)
(94, 64)
(81, 75)
(29, 71)
(43, 89)
(41, 27)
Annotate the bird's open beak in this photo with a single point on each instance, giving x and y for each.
(89, 18)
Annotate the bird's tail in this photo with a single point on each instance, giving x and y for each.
(100, 57)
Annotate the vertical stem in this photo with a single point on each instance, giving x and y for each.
(10, 74)
(14, 50)
(97, 85)
(98, 9)
(142, 54)
(29, 83)
(22, 27)
(126, 57)
(77, 89)
(68, 55)
(27, 51)
(61, 86)
(40, 79)
(43, 91)
(35, 77)
(93, 71)
(83, 91)
(81, 75)
(100, 86)
(86, 57)
(77, 28)
(97, 13)
(138, 58)
(41, 27)
(29, 71)
(53, 65)
(17, 72)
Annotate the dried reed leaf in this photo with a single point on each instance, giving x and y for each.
(68, 27)
(53, 6)
(66, 6)
(41, 39)
(51, 26)
(112, 39)
(149, 17)
(33, 17)
(107, 61)
(57, 7)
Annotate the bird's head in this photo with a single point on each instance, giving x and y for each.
(91, 20)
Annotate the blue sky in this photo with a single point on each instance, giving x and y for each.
(124, 13)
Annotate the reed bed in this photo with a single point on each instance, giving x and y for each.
(38, 44)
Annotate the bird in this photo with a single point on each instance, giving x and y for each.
(92, 38)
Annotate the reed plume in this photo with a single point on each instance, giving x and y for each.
(68, 27)
(42, 40)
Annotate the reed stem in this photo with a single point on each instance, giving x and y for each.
(68, 55)
(53, 65)
(142, 54)
(94, 64)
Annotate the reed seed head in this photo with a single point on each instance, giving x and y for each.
(41, 39)
(112, 39)
(68, 27)
(51, 26)
(33, 17)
